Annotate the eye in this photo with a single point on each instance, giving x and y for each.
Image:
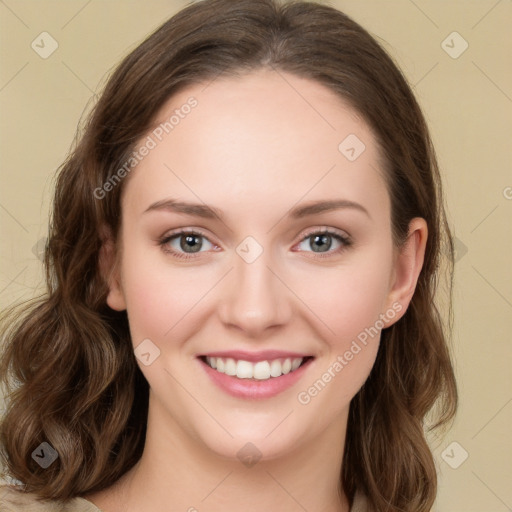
(187, 243)
(184, 244)
(324, 242)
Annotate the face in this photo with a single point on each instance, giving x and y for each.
(256, 239)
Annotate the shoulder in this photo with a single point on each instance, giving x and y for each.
(14, 499)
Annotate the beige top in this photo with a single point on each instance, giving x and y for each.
(12, 500)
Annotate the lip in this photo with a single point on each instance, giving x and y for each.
(253, 388)
(254, 357)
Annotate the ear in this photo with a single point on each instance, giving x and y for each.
(407, 266)
(109, 268)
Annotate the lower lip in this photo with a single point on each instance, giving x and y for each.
(252, 388)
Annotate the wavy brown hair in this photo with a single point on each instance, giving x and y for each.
(68, 365)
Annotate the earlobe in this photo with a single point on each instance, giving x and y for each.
(115, 297)
(109, 268)
(407, 266)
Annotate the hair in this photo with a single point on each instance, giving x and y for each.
(68, 366)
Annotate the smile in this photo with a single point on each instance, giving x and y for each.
(254, 375)
(261, 370)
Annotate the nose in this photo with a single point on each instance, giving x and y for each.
(255, 298)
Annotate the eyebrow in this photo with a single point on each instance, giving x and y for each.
(209, 212)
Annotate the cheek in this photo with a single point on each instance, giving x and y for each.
(351, 312)
(349, 299)
(349, 303)
(160, 300)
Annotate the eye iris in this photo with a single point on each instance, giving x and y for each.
(325, 242)
(187, 243)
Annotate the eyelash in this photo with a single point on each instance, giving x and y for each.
(164, 241)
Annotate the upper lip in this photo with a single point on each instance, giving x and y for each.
(263, 355)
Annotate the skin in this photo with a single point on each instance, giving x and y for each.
(255, 147)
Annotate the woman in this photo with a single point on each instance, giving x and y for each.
(242, 262)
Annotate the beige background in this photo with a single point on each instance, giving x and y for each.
(468, 103)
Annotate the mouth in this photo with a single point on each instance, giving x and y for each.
(256, 376)
(260, 370)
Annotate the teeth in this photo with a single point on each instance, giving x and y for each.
(276, 368)
(230, 367)
(296, 363)
(244, 370)
(262, 370)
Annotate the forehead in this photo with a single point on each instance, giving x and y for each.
(264, 137)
